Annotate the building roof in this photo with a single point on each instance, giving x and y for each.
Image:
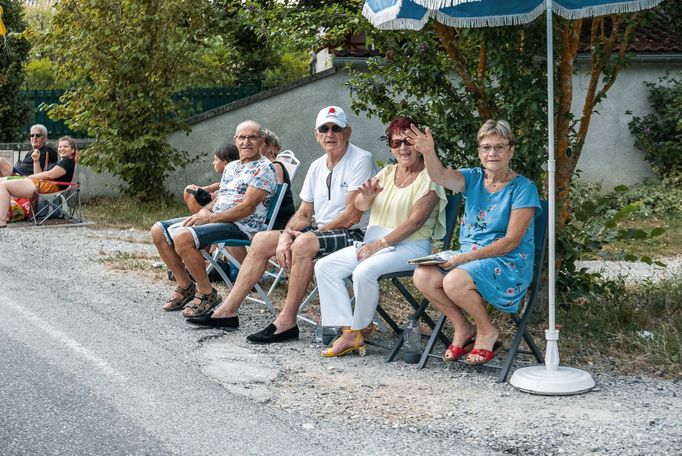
(654, 35)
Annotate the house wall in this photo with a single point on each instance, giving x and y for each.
(609, 156)
(291, 114)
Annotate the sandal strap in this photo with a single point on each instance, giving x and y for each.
(185, 291)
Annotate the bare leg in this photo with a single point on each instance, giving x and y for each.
(303, 251)
(430, 281)
(460, 288)
(20, 188)
(238, 253)
(193, 260)
(171, 258)
(6, 169)
(262, 249)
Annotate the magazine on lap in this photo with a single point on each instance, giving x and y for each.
(436, 258)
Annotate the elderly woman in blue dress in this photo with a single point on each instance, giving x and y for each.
(495, 259)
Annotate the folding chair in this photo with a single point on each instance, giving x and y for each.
(451, 211)
(64, 204)
(290, 162)
(223, 244)
(520, 318)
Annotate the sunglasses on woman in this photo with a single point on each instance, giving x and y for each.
(396, 143)
(325, 128)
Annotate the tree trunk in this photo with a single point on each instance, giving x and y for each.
(565, 165)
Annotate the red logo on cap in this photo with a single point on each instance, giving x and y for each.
(332, 111)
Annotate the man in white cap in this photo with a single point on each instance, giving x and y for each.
(328, 195)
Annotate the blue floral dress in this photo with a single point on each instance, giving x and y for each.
(502, 281)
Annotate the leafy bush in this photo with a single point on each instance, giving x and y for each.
(292, 67)
(595, 224)
(14, 49)
(657, 199)
(40, 74)
(633, 328)
(659, 134)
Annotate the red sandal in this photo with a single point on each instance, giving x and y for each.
(457, 352)
(488, 355)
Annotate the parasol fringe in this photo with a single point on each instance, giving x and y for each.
(387, 19)
(437, 4)
(602, 10)
(490, 21)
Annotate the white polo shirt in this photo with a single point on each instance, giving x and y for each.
(354, 169)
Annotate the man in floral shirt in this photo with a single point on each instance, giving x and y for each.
(238, 212)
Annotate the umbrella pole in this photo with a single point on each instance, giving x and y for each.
(551, 379)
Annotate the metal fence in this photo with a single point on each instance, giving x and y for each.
(199, 100)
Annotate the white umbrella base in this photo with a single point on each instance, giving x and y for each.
(564, 381)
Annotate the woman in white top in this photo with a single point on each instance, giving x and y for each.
(407, 210)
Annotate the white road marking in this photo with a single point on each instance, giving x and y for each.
(65, 340)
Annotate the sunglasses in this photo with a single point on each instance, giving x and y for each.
(36, 135)
(325, 128)
(396, 143)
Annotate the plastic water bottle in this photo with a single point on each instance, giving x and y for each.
(412, 347)
(325, 334)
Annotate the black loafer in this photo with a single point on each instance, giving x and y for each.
(226, 323)
(268, 336)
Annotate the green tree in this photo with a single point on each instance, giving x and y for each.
(454, 79)
(14, 109)
(128, 58)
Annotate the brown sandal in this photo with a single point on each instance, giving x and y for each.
(187, 294)
(206, 304)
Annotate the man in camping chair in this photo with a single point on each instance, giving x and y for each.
(327, 197)
(47, 155)
(238, 212)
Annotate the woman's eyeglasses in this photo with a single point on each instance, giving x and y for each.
(396, 143)
(325, 128)
(498, 148)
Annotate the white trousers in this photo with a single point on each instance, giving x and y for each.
(331, 271)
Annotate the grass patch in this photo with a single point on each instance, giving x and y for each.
(666, 245)
(130, 261)
(126, 213)
(633, 329)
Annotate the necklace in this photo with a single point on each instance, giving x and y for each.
(401, 183)
(494, 185)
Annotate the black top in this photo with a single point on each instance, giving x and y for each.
(25, 167)
(287, 209)
(69, 164)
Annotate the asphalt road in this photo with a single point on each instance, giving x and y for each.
(90, 367)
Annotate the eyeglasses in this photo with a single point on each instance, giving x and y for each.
(499, 148)
(325, 128)
(249, 138)
(396, 143)
(36, 135)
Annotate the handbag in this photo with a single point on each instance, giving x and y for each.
(200, 195)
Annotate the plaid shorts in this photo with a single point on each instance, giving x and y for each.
(333, 240)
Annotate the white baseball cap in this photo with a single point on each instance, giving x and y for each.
(332, 114)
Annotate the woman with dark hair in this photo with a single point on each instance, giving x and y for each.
(407, 211)
(57, 177)
(197, 197)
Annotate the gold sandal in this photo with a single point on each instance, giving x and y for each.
(186, 295)
(358, 346)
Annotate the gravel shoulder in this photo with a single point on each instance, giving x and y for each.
(624, 415)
